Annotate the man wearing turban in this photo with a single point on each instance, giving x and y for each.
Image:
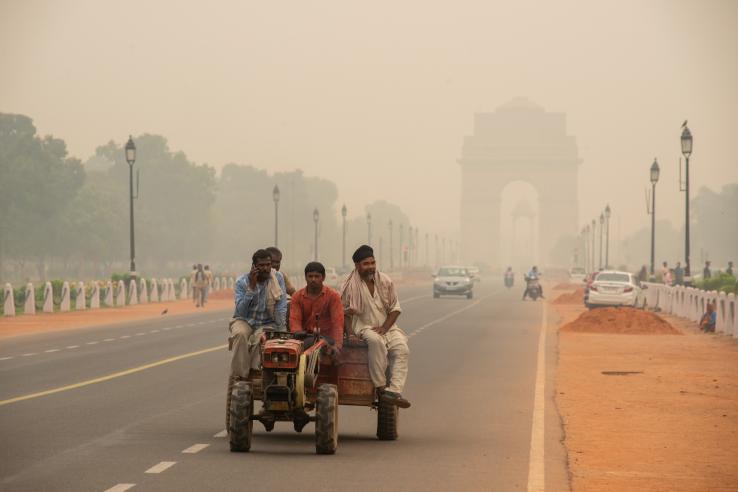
(369, 298)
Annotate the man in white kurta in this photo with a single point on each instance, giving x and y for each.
(369, 298)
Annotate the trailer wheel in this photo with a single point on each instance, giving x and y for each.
(388, 416)
(240, 425)
(326, 421)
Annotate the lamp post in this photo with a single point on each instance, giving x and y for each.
(686, 151)
(392, 256)
(316, 218)
(594, 230)
(655, 171)
(369, 228)
(275, 197)
(131, 159)
(582, 237)
(602, 222)
(343, 253)
(608, 212)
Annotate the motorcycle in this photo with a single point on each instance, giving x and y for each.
(532, 288)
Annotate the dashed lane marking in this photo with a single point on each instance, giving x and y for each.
(115, 375)
(195, 448)
(160, 467)
(420, 329)
(154, 331)
(70, 347)
(222, 433)
(50, 351)
(140, 334)
(123, 337)
(109, 340)
(30, 354)
(6, 358)
(121, 487)
(92, 343)
(167, 328)
(536, 464)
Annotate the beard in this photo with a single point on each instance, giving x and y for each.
(368, 273)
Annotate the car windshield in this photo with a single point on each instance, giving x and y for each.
(451, 272)
(613, 277)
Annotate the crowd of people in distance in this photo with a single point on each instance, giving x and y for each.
(201, 280)
(675, 276)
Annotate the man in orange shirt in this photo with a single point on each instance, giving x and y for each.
(318, 305)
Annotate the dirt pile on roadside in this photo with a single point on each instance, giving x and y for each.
(620, 320)
(576, 297)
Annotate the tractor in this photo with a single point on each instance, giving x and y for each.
(301, 383)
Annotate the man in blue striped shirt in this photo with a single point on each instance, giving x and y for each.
(261, 302)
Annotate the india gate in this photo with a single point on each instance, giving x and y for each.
(519, 142)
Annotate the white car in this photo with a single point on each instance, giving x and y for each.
(577, 275)
(453, 280)
(613, 288)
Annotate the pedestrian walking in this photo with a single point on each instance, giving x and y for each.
(198, 287)
(706, 272)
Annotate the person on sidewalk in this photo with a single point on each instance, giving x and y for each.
(369, 298)
(276, 255)
(729, 270)
(706, 272)
(198, 286)
(679, 274)
(709, 319)
(317, 305)
(261, 303)
(209, 278)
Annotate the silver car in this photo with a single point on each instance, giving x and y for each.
(453, 281)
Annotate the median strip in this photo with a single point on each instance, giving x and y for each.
(111, 376)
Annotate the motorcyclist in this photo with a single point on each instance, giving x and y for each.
(532, 275)
(509, 277)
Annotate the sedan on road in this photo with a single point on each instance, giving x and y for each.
(613, 288)
(453, 281)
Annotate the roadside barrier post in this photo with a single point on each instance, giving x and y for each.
(120, 294)
(80, 302)
(65, 303)
(95, 295)
(108, 301)
(216, 284)
(30, 305)
(132, 293)
(154, 294)
(183, 288)
(143, 294)
(9, 304)
(48, 298)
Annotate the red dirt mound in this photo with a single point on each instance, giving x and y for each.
(620, 320)
(576, 297)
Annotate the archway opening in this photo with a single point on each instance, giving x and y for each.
(519, 244)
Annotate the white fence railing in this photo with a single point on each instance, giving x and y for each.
(95, 295)
(690, 303)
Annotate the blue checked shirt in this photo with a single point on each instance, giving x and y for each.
(251, 304)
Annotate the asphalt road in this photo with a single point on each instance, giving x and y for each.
(141, 407)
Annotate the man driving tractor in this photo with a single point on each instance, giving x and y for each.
(261, 302)
(369, 298)
(316, 304)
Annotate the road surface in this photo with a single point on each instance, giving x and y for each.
(141, 407)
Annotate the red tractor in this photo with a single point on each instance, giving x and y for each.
(299, 383)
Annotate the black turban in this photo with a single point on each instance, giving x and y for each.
(362, 253)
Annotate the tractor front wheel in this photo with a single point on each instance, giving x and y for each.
(326, 421)
(240, 425)
(388, 416)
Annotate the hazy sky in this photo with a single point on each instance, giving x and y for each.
(377, 96)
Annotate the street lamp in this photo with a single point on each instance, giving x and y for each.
(594, 231)
(275, 197)
(131, 159)
(369, 228)
(655, 171)
(392, 256)
(602, 222)
(686, 151)
(583, 236)
(608, 212)
(316, 218)
(343, 216)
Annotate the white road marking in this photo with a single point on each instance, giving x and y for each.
(405, 301)
(154, 331)
(121, 487)
(536, 468)
(203, 323)
(92, 343)
(179, 326)
(167, 328)
(140, 333)
(195, 448)
(447, 316)
(109, 340)
(160, 467)
(6, 358)
(50, 351)
(30, 354)
(222, 433)
(72, 346)
(125, 336)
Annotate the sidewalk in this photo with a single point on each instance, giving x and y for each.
(647, 411)
(47, 322)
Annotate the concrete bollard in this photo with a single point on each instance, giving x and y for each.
(95, 295)
(30, 306)
(108, 299)
(120, 294)
(154, 292)
(216, 284)
(65, 303)
(48, 298)
(80, 302)
(170, 290)
(143, 294)
(9, 305)
(183, 288)
(132, 292)
(230, 282)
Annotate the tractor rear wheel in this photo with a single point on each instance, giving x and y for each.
(388, 416)
(240, 425)
(326, 421)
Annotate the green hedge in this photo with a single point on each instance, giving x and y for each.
(721, 282)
